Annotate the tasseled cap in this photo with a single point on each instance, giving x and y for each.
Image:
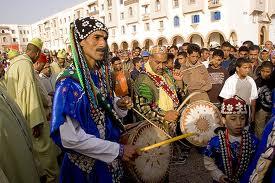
(86, 26)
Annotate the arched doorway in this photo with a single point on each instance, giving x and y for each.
(262, 35)
(233, 39)
(162, 42)
(215, 39)
(177, 40)
(124, 45)
(135, 44)
(114, 47)
(148, 43)
(197, 39)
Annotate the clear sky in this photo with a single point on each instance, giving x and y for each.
(31, 11)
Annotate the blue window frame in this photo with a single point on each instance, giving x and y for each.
(195, 18)
(176, 21)
(216, 15)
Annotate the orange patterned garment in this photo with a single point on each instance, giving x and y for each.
(121, 87)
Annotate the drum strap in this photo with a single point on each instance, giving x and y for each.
(159, 82)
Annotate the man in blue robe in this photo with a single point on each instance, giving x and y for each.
(85, 123)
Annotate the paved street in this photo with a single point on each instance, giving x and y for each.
(192, 171)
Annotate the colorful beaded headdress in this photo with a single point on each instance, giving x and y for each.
(80, 29)
(234, 105)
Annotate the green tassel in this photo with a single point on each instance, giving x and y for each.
(75, 56)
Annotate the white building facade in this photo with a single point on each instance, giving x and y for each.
(145, 23)
(14, 36)
(161, 22)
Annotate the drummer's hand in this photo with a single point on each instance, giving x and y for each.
(130, 153)
(177, 74)
(125, 103)
(171, 116)
(224, 179)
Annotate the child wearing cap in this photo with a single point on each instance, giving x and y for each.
(229, 152)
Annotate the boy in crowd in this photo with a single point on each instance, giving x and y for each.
(264, 102)
(174, 50)
(234, 52)
(229, 152)
(127, 64)
(254, 59)
(137, 61)
(269, 45)
(184, 46)
(242, 85)
(218, 76)
(195, 75)
(264, 56)
(243, 53)
(205, 57)
(180, 61)
(145, 56)
(170, 62)
(122, 84)
(248, 43)
(226, 48)
(136, 52)
(211, 51)
(122, 81)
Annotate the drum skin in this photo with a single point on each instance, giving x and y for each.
(200, 117)
(152, 165)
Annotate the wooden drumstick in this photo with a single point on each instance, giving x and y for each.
(151, 122)
(186, 100)
(168, 141)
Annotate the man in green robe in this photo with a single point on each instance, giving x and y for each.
(17, 162)
(22, 87)
(156, 91)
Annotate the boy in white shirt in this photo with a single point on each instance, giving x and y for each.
(242, 85)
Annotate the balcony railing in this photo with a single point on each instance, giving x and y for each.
(214, 3)
(145, 17)
(128, 2)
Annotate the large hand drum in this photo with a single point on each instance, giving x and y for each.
(152, 165)
(200, 117)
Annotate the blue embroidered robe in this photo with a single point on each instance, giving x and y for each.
(70, 100)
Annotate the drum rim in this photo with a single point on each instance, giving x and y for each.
(133, 170)
(189, 139)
